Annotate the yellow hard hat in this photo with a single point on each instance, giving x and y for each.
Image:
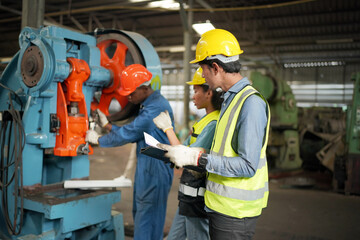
(214, 42)
(197, 78)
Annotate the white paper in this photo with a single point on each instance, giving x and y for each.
(150, 140)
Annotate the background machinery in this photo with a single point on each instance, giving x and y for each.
(283, 144)
(350, 162)
(328, 139)
(45, 102)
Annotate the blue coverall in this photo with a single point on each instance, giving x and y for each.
(153, 178)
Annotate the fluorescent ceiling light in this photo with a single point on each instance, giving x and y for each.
(201, 28)
(168, 4)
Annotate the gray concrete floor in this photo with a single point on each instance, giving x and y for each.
(307, 213)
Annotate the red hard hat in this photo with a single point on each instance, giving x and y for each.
(132, 77)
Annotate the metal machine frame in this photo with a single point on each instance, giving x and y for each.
(46, 96)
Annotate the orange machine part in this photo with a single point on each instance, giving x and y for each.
(73, 127)
(116, 64)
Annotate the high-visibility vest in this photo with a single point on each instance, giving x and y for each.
(237, 196)
(200, 125)
(192, 188)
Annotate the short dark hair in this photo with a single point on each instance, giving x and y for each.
(216, 99)
(231, 67)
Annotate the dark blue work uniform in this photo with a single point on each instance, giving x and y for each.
(153, 178)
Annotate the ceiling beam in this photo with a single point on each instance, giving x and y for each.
(17, 12)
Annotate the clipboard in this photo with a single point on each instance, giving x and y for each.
(159, 154)
(155, 153)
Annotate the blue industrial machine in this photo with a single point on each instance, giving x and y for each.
(46, 94)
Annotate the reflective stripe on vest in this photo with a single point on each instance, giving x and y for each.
(200, 125)
(237, 196)
(190, 191)
(236, 193)
(197, 129)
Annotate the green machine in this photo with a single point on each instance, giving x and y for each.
(283, 146)
(352, 165)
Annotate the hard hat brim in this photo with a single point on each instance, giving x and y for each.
(194, 61)
(191, 83)
(125, 93)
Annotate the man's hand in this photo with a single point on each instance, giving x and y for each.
(163, 121)
(181, 155)
(92, 137)
(103, 121)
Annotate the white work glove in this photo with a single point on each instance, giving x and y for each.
(103, 121)
(163, 121)
(181, 155)
(92, 137)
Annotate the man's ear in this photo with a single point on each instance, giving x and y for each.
(148, 90)
(215, 67)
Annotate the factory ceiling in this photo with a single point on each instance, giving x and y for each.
(269, 31)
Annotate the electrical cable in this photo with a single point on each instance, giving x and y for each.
(11, 167)
(15, 94)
